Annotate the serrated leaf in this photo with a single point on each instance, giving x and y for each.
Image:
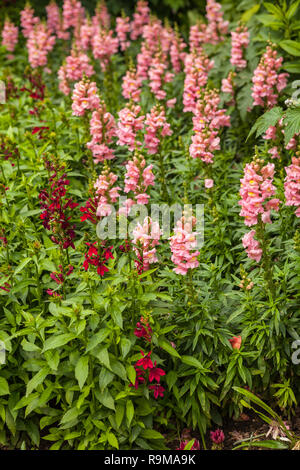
(292, 124)
(270, 118)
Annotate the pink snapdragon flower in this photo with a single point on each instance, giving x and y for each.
(138, 178)
(39, 43)
(140, 18)
(252, 246)
(145, 239)
(77, 65)
(183, 245)
(128, 125)
(85, 35)
(256, 193)
(85, 97)
(122, 30)
(53, 17)
(132, 86)
(102, 16)
(196, 68)
(104, 46)
(158, 75)
(156, 128)
(10, 34)
(239, 41)
(177, 53)
(208, 119)
(217, 27)
(292, 185)
(73, 13)
(64, 85)
(267, 82)
(28, 20)
(106, 193)
(208, 183)
(214, 31)
(102, 129)
(228, 84)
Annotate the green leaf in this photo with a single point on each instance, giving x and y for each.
(292, 10)
(125, 344)
(151, 434)
(131, 373)
(291, 67)
(276, 11)
(270, 118)
(249, 13)
(56, 341)
(105, 378)
(292, 124)
(82, 370)
(191, 361)
(97, 339)
(70, 415)
(22, 265)
(266, 444)
(4, 388)
(112, 440)
(129, 411)
(120, 410)
(291, 47)
(168, 348)
(36, 380)
(106, 399)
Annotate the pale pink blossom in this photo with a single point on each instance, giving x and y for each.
(132, 86)
(9, 35)
(122, 30)
(145, 239)
(252, 246)
(85, 97)
(256, 192)
(292, 185)
(267, 83)
(106, 193)
(156, 128)
(104, 46)
(102, 129)
(128, 125)
(239, 42)
(183, 245)
(140, 18)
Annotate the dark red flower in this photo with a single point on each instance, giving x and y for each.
(155, 373)
(145, 361)
(158, 390)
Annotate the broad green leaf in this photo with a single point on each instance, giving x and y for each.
(129, 412)
(168, 348)
(112, 440)
(4, 388)
(56, 341)
(82, 370)
(98, 338)
(36, 380)
(291, 47)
